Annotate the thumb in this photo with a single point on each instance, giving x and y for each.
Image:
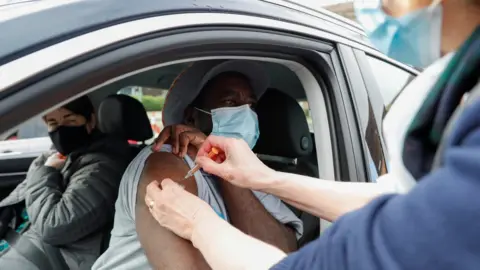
(153, 188)
(210, 166)
(161, 138)
(171, 186)
(167, 182)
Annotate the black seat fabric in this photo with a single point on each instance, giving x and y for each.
(284, 133)
(283, 127)
(124, 116)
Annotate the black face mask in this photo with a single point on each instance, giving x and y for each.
(67, 139)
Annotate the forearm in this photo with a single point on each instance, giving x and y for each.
(322, 198)
(43, 183)
(64, 215)
(42, 194)
(225, 247)
(249, 215)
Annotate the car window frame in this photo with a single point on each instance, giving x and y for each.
(369, 110)
(64, 51)
(367, 94)
(232, 19)
(321, 54)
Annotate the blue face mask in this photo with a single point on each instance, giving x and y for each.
(413, 39)
(235, 122)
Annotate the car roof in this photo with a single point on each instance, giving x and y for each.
(31, 25)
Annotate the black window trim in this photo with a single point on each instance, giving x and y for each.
(358, 92)
(355, 144)
(375, 96)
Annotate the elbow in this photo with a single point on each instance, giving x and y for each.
(52, 235)
(64, 233)
(54, 241)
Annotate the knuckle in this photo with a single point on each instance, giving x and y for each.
(183, 136)
(170, 187)
(148, 188)
(151, 187)
(162, 207)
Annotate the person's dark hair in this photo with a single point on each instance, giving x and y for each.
(81, 106)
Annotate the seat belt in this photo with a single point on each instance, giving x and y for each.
(28, 250)
(51, 259)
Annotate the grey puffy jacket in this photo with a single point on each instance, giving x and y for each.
(71, 208)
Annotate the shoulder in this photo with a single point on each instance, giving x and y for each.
(162, 163)
(108, 145)
(107, 152)
(100, 164)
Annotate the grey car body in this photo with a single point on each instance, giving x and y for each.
(54, 51)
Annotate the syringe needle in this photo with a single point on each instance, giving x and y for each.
(213, 153)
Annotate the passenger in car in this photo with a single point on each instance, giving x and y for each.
(221, 88)
(69, 194)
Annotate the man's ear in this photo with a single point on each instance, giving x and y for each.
(189, 116)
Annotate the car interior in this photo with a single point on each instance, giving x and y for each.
(286, 142)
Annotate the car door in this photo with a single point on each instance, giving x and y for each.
(13, 170)
(64, 70)
(18, 151)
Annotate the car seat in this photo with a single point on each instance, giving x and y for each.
(125, 117)
(285, 144)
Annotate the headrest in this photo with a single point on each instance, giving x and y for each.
(124, 116)
(284, 129)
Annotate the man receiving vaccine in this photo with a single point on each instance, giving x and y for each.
(210, 97)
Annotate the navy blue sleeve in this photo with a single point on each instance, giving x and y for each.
(435, 226)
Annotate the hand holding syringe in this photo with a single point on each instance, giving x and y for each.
(212, 155)
(235, 163)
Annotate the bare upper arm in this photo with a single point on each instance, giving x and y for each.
(163, 165)
(164, 249)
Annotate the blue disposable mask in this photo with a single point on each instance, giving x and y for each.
(235, 122)
(413, 39)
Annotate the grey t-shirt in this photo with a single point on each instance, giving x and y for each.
(125, 251)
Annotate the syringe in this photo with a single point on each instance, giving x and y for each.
(212, 155)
